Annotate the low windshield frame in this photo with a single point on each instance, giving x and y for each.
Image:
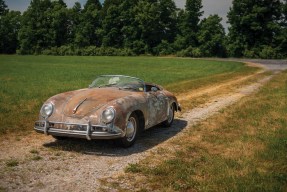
(119, 81)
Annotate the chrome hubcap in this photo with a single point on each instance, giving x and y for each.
(131, 129)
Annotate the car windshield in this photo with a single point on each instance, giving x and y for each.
(119, 81)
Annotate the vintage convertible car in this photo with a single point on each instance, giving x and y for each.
(113, 107)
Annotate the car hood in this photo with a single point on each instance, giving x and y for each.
(88, 100)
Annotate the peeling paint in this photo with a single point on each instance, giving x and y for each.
(85, 106)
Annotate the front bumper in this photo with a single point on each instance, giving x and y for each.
(76, 130)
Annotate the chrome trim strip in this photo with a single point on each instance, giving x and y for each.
(83, 133)
(89, 134)
(88, 131)
(76, 108)
(46, 127)
(80, 134)
(65, 123)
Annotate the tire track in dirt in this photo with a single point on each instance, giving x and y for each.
(217, 104)
(208, 90)
(213, 88)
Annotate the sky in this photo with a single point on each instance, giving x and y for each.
(220, 7)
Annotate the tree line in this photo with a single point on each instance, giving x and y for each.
(258, 29)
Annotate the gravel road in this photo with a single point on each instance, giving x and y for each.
(45, 164)
(273, 65)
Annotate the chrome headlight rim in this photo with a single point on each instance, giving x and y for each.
(108, 115)
(47, 110)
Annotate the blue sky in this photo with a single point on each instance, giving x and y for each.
(220, 7)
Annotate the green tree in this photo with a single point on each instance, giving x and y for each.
(147, 17)
(112, 24)
(74, 20)
(167, 27)
(282, 36)
(59, 15)
(108, 3)
(190, 22)
(9, 27)
(86, 32)
(36, 31)
(95, 3)
(284, 12)
(168, 18)
(180, 41)
(211, 37)
(156, 22)
(254, 25)
(130, 32)
(3, 8)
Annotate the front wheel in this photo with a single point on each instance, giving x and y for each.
(170, 117)
(132, 130)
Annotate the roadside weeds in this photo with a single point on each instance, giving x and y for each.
(38, 157)
(242, 148)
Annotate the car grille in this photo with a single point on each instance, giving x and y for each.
(72, 127)
(68, 127)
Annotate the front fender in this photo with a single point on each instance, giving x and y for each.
(126, 106)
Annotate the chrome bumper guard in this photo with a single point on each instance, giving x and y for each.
(87, 131)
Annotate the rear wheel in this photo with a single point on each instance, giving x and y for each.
(170, 117)
(132, 130)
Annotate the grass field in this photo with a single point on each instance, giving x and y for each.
(27, 81)
(241, 149)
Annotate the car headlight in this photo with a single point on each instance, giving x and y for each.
(47, 110)
(108, 115)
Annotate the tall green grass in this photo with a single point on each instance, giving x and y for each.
(242, 149)
(27, 81)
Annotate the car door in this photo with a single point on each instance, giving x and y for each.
(157, 106)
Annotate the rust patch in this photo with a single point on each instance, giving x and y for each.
(93, 99)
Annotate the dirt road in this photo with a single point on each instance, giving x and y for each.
(40, 163)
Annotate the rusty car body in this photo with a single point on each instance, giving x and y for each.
(113, 107)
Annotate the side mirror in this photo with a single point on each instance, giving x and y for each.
(154, 89)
